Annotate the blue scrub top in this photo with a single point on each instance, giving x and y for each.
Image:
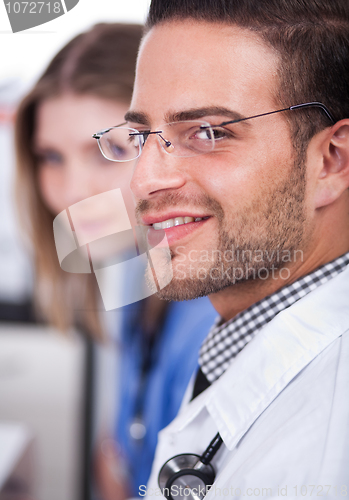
(175, 360)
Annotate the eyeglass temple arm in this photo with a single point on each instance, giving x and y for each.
(314, 105)
(291, 108)
(99, 134)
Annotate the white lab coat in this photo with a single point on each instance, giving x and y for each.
(282, 408)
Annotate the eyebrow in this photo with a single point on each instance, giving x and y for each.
(195, 113)
(137, 117)
(190, 114)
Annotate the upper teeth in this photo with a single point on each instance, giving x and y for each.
(177, 221)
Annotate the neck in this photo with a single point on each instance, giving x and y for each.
(234, 299)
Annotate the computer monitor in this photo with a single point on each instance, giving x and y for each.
(43, 386)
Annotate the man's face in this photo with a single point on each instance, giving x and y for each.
(251, 196)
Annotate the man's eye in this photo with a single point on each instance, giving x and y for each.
(144, 136)
(203, 134)
(216, 133)
(221, 133)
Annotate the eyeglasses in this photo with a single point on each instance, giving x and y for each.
(180, 139)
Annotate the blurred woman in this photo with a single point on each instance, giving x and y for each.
(88, 84)
(87, 87)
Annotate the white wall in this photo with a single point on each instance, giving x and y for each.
(26, 53)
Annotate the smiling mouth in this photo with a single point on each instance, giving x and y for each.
(177, 221)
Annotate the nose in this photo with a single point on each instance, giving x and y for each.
(79, 183)
(156, 171)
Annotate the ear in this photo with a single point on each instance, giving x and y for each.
(333, 174)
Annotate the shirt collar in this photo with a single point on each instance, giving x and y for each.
(268, 364)
(226, 340)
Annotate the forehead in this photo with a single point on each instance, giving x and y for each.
(188, 64)
(70, 118)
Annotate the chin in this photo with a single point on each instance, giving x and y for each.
(190, 284)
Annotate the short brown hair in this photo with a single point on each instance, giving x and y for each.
(100, 62)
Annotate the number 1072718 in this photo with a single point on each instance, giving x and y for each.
(33, 7)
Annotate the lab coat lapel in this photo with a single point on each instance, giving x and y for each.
(270, 361)
(274, 357)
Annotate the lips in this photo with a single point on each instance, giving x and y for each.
(156, 218)
(176, 221)
(175, 228)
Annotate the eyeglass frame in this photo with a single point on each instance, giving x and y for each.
(315, 104)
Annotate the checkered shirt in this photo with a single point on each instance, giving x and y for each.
(226, 340)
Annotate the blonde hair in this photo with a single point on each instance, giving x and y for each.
(99, 62)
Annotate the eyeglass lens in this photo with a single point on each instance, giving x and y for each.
(119, 145)
(182, 139)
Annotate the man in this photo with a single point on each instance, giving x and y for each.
(242, 107)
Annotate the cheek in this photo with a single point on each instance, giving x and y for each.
(105, 180)
(231, 182)
(117, 177)
(241, 179)
(51, 186)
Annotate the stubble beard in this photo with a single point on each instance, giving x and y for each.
(274, 223)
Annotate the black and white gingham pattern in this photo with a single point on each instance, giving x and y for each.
(225, 341)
